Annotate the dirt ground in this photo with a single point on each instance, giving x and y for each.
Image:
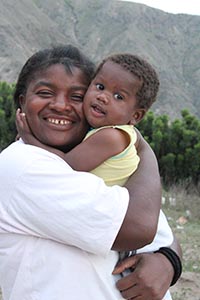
(187, 231)
(187, 288)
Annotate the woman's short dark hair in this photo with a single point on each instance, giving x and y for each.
(67, 55)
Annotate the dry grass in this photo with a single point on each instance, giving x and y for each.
(184, 199)
(183, 211)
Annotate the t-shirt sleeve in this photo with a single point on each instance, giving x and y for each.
(52, 201)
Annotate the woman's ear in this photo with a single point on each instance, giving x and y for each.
(21, 101)
(137, 116)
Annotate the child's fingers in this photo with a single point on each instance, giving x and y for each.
(17, 113)
(20, 119)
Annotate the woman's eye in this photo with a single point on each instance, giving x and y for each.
(118, 97)
(100, 86)
(78, 98)
(45, 93)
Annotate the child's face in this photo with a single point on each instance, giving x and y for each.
(111, 97)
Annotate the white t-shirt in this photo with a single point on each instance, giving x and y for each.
(163, 238)
(57, 227)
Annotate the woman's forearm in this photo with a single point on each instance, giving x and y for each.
(140, 223)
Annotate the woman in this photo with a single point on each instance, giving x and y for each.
(58, 225)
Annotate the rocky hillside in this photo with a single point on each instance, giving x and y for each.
(170, 42)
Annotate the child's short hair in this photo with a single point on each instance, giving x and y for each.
(140, 68)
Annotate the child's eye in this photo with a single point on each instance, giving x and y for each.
(118, 97)
(100, 86)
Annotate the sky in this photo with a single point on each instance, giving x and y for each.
(191, 7)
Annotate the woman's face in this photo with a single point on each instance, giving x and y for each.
(53, 107)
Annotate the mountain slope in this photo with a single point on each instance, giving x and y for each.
(170, 42)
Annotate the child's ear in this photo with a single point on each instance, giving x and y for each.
(137, 116)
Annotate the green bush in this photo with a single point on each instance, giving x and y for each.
(176, 145)
(7, 115)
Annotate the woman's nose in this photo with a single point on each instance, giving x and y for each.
(60, 103)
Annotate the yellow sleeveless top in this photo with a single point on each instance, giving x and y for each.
(118, 168)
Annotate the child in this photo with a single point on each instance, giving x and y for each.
(123, 89)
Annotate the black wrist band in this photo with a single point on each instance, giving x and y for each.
(175, 261)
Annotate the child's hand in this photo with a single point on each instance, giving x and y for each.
(22, 125)
(25, 133)
(23, 128)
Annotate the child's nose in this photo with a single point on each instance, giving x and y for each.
(103, 97)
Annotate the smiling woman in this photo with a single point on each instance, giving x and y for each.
(54, 109)
(57, 225)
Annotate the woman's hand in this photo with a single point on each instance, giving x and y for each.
(150, 277)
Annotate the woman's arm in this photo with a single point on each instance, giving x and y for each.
(145, 200)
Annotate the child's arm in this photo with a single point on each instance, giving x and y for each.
(87, 155)
(97, 148)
